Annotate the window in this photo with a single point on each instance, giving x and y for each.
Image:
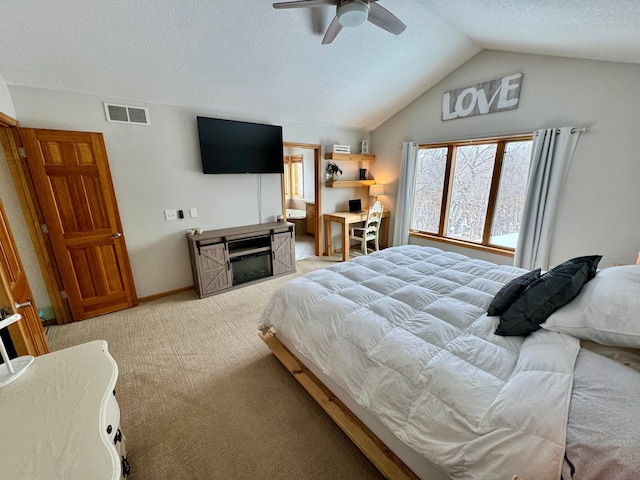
(293, 177)
(472, 191)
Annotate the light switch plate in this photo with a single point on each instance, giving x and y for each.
(193, 212)
(170, 215)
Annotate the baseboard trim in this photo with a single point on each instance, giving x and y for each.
(156, 296)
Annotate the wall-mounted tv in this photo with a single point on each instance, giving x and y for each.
(229, 146)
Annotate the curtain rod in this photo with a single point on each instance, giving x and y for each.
(580, 129)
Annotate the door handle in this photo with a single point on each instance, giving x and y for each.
(22, 305)
(116, 235)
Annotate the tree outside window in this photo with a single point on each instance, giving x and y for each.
(472, 191)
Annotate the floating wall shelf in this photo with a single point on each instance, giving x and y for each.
(350, 157)
(349, 183)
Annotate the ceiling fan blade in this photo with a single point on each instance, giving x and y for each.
(332, 32)
(383, 18)
(305, 3)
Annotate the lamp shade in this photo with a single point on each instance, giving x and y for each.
(376, 190)
(353, 14)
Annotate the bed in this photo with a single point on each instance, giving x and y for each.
(398, 348)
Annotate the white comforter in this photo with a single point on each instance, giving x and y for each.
(405, 332)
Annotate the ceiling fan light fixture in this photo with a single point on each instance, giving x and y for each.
(353, 14)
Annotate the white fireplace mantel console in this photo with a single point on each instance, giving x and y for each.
(61, 420)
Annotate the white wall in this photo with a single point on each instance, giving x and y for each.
(6, 104)
(600, 206)
(308, 165)
(158, 167)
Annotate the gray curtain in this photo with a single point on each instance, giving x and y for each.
(404, 197)
(550, 159)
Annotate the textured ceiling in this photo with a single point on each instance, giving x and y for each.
(244, 59)
(593, 29)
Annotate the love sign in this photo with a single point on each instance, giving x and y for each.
(487, 97)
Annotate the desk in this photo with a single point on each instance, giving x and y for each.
(345, 219)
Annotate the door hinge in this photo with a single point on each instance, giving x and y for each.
(21, 152)
(63, 294)
(44, 228)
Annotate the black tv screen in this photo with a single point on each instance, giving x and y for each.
(229, 146)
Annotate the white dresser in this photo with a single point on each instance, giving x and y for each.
(61, 420)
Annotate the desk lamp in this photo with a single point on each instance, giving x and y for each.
(376, 190)
(11, 369)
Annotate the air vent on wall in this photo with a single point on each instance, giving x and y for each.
(126, 114)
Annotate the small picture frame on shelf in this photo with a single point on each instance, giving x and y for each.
(364, 147)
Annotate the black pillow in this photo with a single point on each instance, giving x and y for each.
(544, 296)
(510, 292)
(591, 261)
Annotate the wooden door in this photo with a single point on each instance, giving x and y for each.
(27, 334)
(214, 270)
(71, 176)
(283, 253)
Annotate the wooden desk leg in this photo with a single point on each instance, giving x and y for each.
(327, 238)
(345, 241)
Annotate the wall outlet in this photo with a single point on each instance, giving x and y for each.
(170, 215)
(193, 212)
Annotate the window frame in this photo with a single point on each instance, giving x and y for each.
(290, 178)
(447, 189)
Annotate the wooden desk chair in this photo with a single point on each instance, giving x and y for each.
(371, 229)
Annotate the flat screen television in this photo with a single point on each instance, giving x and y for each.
(230, 146)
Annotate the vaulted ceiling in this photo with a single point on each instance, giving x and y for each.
(245, 59)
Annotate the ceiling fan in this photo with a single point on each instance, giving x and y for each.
(351, 13)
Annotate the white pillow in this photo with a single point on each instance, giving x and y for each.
(606, 311)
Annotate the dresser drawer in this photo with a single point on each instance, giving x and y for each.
(112, 417)
(121, 447)
(114, 432)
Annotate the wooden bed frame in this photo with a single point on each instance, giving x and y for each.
(376, 451)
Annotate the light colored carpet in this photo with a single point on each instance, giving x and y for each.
(203, 398)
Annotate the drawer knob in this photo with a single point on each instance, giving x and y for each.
(118, 437)
(109, 429)
(126, 468)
